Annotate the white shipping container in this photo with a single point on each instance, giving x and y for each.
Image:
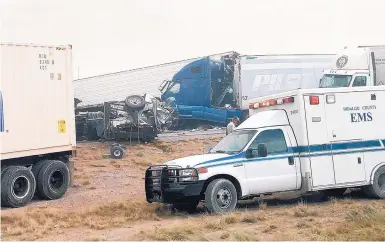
(36, 100)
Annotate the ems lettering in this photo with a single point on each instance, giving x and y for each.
(361, 117)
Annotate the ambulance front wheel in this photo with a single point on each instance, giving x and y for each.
(221, 196)
(377, 189)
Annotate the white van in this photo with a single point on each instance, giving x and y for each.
(301, 141)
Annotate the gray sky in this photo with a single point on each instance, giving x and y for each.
(115, 35)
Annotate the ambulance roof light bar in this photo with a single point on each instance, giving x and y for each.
(271, 102)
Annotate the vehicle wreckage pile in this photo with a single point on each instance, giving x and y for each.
(136, 118)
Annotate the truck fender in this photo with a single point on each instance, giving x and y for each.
(374, 171)
(229, 177)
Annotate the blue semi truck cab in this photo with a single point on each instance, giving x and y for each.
(203, 90)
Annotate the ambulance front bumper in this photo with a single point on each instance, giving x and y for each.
(171, 184)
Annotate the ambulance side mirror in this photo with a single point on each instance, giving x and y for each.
(262, 150)
(249, 153)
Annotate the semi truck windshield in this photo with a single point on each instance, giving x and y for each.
(330, 81)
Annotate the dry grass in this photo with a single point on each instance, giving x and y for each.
(337, 220)
(35, 222)
(91, 158)
(344, 219)
(141, 155)
(86, 183)
(96, 239)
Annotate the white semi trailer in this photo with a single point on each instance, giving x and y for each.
(37, 124)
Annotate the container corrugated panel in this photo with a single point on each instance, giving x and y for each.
(37, 100)
(117, 86)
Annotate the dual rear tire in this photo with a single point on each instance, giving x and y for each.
(48, 179)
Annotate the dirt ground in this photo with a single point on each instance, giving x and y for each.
(107, 202)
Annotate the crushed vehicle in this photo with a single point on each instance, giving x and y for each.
(135, 118)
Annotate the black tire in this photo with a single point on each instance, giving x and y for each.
(3, 169)
(112, 146)
(37, 167)
(221, 196)
(377, 189)
(337, 192)
(190, 207)
(135, 102)
(117, 152)
(17, 186)
(53, 180)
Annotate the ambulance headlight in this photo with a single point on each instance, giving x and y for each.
(188, 175)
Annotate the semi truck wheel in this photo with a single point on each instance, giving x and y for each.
(17, 186)
(377, 189)
(53, 180)
(221, 196)
(36, 169)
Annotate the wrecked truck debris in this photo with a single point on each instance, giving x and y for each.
(136, 118)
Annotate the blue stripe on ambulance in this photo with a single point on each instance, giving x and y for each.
(304, 151)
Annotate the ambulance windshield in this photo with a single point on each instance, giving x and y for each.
(330, 81)
(234, 142)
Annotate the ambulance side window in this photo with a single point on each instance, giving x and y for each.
(359, 81)
(274, 139)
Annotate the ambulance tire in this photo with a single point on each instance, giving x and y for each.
(377, 189)
(221, 196)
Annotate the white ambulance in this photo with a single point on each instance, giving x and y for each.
(302, 141)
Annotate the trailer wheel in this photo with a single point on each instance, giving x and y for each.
(221, 196)
(17, 186)
(135, 102)
(377, 189)
(190, 207)
(117, 152)
(53, 180)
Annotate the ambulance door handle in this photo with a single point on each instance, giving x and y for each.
(359, 160)
(291, 160)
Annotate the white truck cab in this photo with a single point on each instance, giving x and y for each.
(361, 66)
(299, 141)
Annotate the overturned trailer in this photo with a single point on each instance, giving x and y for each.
(136, 118)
